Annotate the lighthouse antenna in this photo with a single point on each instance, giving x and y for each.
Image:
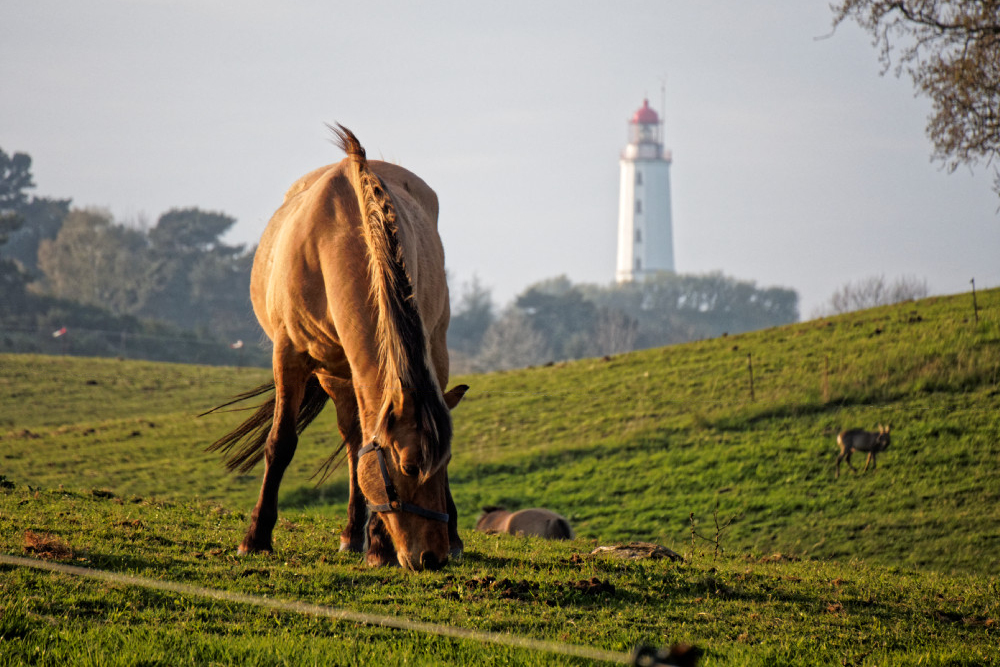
(663, 109)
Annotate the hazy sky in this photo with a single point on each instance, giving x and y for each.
(795, 163)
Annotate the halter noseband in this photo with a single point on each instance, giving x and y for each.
(395, 504)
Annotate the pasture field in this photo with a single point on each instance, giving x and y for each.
(103, 466)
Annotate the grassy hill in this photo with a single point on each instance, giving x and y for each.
(889, 567)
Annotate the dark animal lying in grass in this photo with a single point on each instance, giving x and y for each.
(858, 440)
(536, 521)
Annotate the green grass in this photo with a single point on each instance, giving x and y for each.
(893, 567)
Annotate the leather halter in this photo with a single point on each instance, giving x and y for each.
(395, 504)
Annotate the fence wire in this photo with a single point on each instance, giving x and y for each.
(335, 613)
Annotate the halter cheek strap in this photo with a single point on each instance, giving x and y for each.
(395, 504)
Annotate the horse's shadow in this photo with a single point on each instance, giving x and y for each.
(486, 560)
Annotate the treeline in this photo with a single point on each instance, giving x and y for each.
(555, 320)
(78, 281)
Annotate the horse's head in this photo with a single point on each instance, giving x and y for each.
(404, 478)
(492, 519)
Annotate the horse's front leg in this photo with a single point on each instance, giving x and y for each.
(455, 545)
(381, 551)
(290, 385)
(352, 538)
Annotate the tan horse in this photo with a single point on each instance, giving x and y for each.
(536, 521)
(349, 284)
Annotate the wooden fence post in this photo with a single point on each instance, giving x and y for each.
(975, 307)
(826, 379)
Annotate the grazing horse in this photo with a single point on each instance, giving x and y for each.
(536, 521)
(349, 284)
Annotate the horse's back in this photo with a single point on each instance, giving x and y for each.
(492, 520)
(288, 264)
(541, 523)
(312, 259)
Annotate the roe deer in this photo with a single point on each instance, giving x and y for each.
(858, 440)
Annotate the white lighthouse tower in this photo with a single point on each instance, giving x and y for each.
(645, 234)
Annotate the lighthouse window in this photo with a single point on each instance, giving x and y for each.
(638, 206)
(638, 264)
(638, 236)
(638, 178)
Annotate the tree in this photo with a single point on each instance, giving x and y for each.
(555, 320)
(15, 178)
(558, 310)
(471, 317)
(197, 275)
(951, 50)
(96, 262)
(872, 292)
(25, 221)
(12, 279)
(41, 218)
(615, 332)
(190, 230)
(673, 308)
(512, 342)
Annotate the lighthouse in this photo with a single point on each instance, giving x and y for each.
(645, 233)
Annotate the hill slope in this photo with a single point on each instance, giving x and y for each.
(104, 467)
(628, 447)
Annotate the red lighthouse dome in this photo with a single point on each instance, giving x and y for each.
(645, 115)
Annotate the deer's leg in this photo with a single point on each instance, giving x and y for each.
(848, 459)
(840, 457)
(869, 461)
(290, 374)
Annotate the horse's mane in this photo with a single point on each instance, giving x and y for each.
(402, 342)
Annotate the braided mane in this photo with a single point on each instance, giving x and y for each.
(402, 341)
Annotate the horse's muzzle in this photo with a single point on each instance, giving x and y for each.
(429, 561)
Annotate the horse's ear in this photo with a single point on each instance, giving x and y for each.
(454, 395)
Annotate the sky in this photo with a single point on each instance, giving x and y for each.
(795, 162)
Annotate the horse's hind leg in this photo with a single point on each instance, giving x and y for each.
(290, 376)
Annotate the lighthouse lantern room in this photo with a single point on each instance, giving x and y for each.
(645, 234)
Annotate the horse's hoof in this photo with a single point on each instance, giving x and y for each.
(248, 550)
(381, 560)
(455, 554)
(352, 547)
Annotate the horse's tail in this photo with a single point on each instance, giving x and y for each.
(251, 436)
(402, 340)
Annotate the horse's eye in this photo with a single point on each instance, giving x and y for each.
(411, 470)
(390, 421)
